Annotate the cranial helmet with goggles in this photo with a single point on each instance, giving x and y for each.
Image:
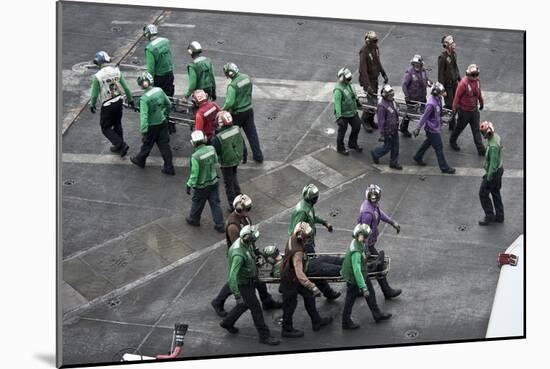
(472, 71)
(487, 129)
(438, 89)
(344, 75)
(150, 30)
(242, 203)
(361, 229)
(224, 119)
(371, 37)
(199, 97)
(310, 193)
(447, 41)
(194, 48)
(145, 80)
(101, 57)
(271, 254)
(249, 234)
(387, 92)
(417, 61)
(373, 193)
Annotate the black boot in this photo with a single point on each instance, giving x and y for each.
(321, 323)
(292, 333)
(271, 341)
(404, 128)
(219, 309)
(487, 220)
(349, 324)
(375, 310)
(389, 293)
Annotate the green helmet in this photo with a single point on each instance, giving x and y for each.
(230, 70)
(361, 229)
(310, 193)
(249, 234)
(270, 253)
(145, 80)
(150, 30)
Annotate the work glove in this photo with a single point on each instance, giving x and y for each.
(329, 226)
(239, 300)
(430, 83)
(480, 106)
(92, 109)
(385, 76)
(397, 227)
(416, 132)
(143, 137)
(316, 292)
(365, 292)
(213, 95)
(341, 122)
(358, 103)
(188, 190)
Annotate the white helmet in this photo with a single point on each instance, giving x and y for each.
(242, 203)
(197, 138)
(387, 92)
(373, 193)
(447, 41)
(194, 48)
(344, 75)
(150, 30)
(363, 229)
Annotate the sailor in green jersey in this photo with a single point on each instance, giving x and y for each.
(238, 101)
(354, 272)
(158, 54)
(345, 109)
(204, 182)
(154, 107)
(492, 180)
(229, 144)
(200, 72)
(243, 274)
(274, 258)
(321, 266)
(107, 87)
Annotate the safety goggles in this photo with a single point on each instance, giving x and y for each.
(475, 74)
(247, 208)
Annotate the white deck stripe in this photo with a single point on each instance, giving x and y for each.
(162, 25)
(110, 159)
(434, 171)
(318, 171)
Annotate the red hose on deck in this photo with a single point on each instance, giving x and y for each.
(173, 355)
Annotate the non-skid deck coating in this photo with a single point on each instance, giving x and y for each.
(131, 265)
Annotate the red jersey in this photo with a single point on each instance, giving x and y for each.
(205, 120)
(468, 93)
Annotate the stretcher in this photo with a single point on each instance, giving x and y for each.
(412, 111)
(182, 112)
(376, 267)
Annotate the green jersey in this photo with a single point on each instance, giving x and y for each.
(201, 75)
(304, 212)
(231, 146)
(242, 265)
(493, 156)
(345, 100)
(354, 267)
(203, 167)
(154, 107)
(159, 57)
(239, 94)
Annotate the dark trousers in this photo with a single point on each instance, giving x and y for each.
(391, 144)
(245, 120)
(232, 188)
(382, 281)
(225, 292)
(368, 116)
(110, 120)
(248, 294)
(324, 266)
(355, 124)
(451, 91)
(166, 83)
(290, 291)
(492, 188)
(157, 135)
(434, 140)
(352, 292)
(198, 200)
(412, 108)
(471, 118)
